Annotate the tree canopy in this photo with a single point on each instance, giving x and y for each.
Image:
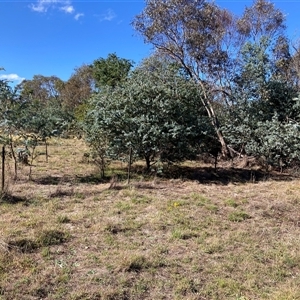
(111, 71)
(156, 112)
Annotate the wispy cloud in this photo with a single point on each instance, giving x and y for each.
(42, 6)
(69, 9)
(108, 15)
(11, 77)
(77, 16)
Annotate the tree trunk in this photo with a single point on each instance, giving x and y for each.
(102, 167)
(207, 103)
(224, 148)
(215, 123)
(129, 165)
(147, 158)
(31, 162)
(46, 146)
(15, 158)
(3, 168)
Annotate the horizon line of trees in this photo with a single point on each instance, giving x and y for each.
(216, 83)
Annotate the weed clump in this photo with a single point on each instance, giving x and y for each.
(45, 238)
(51, 237)
(23, 245)
(238, 216)
(63, 219)
(8, 197)
(135, 264)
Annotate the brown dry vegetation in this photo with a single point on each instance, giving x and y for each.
(204, 235)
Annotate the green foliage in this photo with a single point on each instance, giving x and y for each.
(9, 112)
(78, 88)
(97, 138)
(111, 71)
(263, 119)
(255, 69)
(219, 80)
(156, 112)
(41, 88)
(264, 134)
(43, 121)
(278, 143)
(25, 121)
(238, 216)
(193, 33)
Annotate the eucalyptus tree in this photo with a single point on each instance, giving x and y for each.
(25, 121)
(264, 53)
(78, 88)
(41, 88)
(263, 115)
(193, 33)
(156, 112)
(10, 109)
(214, 46)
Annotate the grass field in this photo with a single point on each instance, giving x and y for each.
(202, 235)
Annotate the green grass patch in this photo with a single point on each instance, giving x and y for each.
(238, 216)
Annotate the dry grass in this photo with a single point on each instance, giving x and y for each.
(69, 236)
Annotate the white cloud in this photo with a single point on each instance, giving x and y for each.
(11, 77)
(77, 16)
(108, 16)
(42, 6)
(68, 9)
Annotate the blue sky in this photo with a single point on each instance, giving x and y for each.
(52, 37)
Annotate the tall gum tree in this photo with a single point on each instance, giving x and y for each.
(264, 87)
(191, 32)
(209, 42)
(79, 88)
(41, 88)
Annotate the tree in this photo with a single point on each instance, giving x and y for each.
(111, 71)
(275, 143)
(261, 19)
(26, 121)
(41, 88)
(261, 111)
(295, 64)
(9, 117)
(156, 112)
(211, 44)
(50, 95)
(193, 34)
(78, 88)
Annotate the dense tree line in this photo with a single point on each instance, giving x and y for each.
(216, 83)
(246, 68)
